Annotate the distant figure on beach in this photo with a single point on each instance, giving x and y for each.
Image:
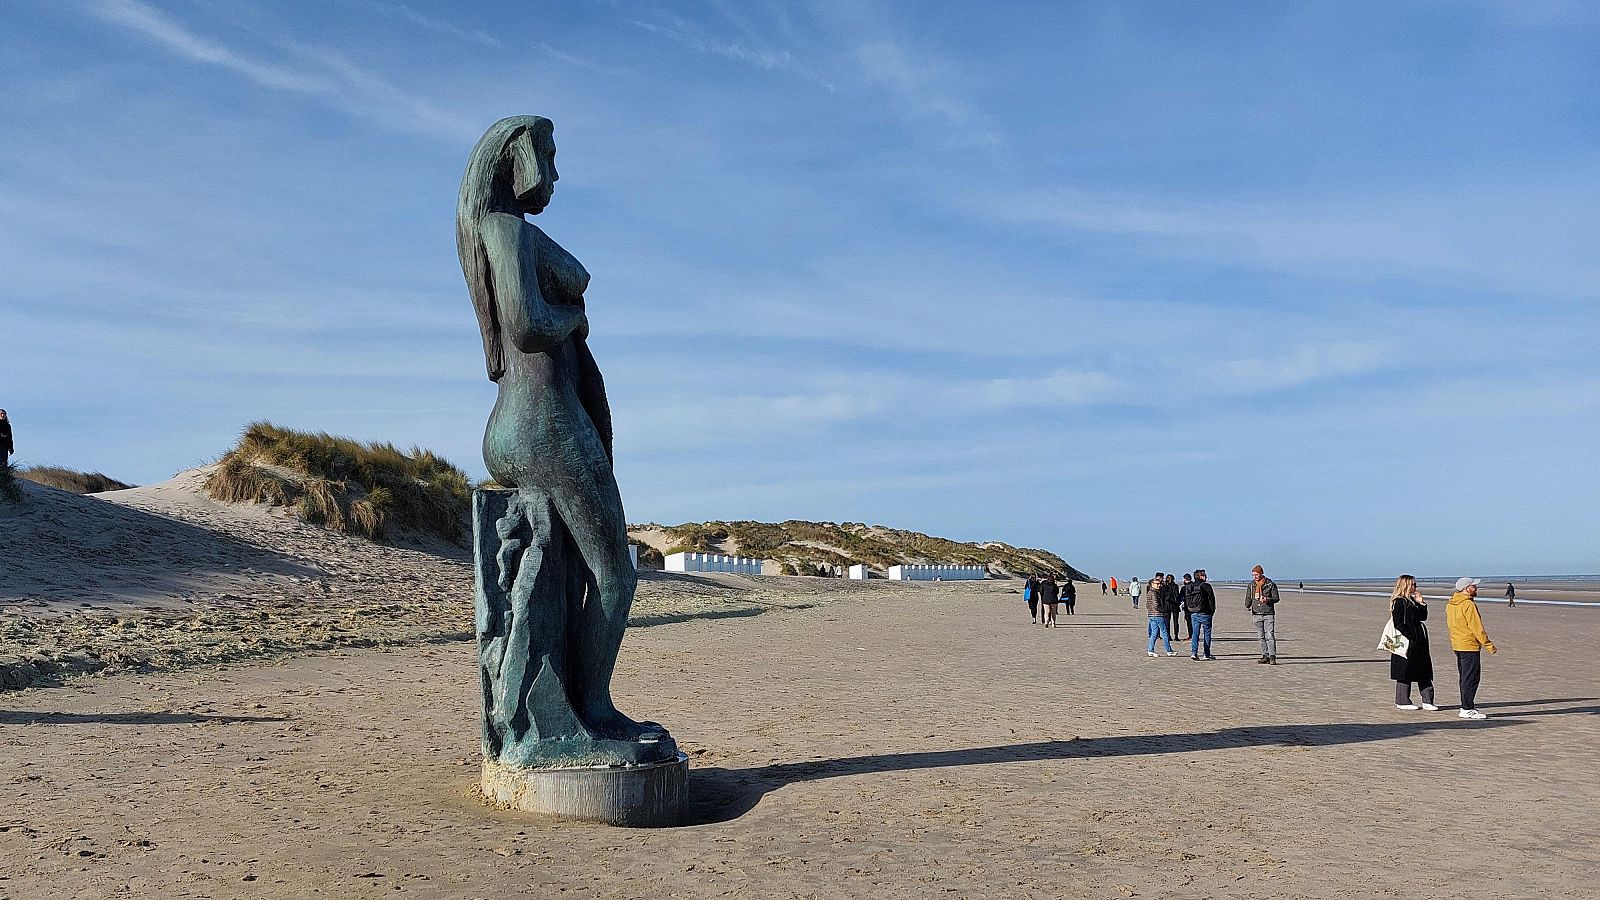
(1408, 610)
(1102, 588)
(1069, 594)
(1261, 598)
(1511, 589)
(5, 439)
(1156, 617)
(1049, 596)
(1467, 638)
(1113, 585)
(1134, 588)
(1030, 593)
(1302, 587)
(1201, 604)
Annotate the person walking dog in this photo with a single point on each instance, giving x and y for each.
(1467, 639)
(1261, 598)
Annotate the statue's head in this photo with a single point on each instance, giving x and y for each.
(531, 165)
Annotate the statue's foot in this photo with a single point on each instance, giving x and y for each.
(605, 720)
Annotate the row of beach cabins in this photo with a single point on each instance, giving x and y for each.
(747, 565)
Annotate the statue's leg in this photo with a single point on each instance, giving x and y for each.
(593, 515)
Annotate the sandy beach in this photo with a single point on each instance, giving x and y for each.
(918, 741)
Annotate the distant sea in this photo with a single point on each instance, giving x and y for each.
(1534, 590)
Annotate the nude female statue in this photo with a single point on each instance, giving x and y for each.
(550, 432)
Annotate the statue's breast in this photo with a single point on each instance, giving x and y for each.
(562, 279)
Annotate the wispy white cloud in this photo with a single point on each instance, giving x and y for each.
(1533, 237)
(320, 73)
(1300, 365)
(921, 86)
(406, 14)
(695, 37)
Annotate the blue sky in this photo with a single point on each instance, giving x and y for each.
(1153, 285)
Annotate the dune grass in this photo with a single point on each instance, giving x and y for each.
(71, 480)
(344, 484)
(10, 491)
(807, 548)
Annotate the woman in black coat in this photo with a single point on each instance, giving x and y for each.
(1410, 613)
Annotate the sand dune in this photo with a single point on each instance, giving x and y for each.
(162, 577)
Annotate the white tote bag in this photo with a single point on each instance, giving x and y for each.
(1393, 641)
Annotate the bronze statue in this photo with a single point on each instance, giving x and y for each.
(554, 578)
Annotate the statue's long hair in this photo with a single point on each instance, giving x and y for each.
(489, 185)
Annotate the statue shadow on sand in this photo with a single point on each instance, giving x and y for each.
(722, 795)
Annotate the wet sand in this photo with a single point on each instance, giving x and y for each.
(928, 742)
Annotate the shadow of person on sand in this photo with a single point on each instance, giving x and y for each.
(721, 795)
(26, 717)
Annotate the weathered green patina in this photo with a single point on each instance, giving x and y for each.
(553, 581)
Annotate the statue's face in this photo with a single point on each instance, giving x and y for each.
(534, 159)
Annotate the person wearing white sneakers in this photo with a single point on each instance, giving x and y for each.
(1156, 615)
(1409, 611)
(1467, 638)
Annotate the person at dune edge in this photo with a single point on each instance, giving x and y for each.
(1261, 598)
(5, 439)
(1467, 639)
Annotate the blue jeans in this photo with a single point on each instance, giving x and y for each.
(1158, 625)
(1199, 623)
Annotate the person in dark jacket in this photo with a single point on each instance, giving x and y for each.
(1156, 615)
(1183, 603)
(1170, 602)
(1030, 593)
(1409, 611)
(1200, 604)
(5, 439)
(1049, 596)
(1069, 594)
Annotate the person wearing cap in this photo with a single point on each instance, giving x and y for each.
(1261, 598)
(1468, 639)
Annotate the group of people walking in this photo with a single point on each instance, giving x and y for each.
(1046, 595)
(1192, 603)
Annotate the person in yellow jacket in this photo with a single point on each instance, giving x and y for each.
(1467, 638)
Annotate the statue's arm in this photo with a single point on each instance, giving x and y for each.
(531, 325)
(592, 394)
